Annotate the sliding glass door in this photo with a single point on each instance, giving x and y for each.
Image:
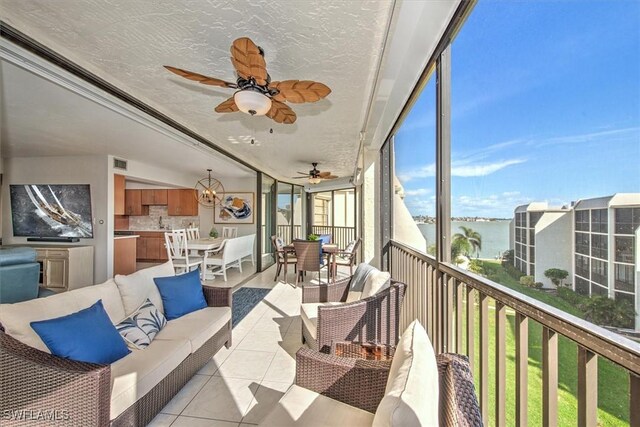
(268, 224)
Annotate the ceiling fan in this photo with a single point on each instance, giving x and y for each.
(257, 95)
(314, 175)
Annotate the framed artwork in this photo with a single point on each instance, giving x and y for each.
(235, 208)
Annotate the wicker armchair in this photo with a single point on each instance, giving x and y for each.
(309, 257)
(373, 319)
(79, 393)
(361, 383)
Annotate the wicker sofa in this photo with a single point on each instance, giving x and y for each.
(129, 392)
(327, 317)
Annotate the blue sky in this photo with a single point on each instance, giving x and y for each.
(545, 107)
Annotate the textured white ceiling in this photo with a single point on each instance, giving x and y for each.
(127, 42)
(42, 118)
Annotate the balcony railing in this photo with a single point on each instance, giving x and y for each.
(341, 236)
(439, 295)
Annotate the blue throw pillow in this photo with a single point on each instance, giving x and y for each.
(181, 294)
(86, 336)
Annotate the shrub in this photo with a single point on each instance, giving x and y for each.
(538, 285)
(512, 271)
(507, 257)
(572, 297)
(607, 312)
(528, 281)
(475, 266)
(556, 275)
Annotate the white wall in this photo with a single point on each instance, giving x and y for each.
(554, 245)
(90, 170)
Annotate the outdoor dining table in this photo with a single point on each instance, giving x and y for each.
(330, 249)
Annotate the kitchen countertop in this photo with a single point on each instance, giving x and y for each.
(149, 230)
(129, 236)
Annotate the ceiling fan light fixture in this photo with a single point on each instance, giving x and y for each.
(315, 180)
(252, 102)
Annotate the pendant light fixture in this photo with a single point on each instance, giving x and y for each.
(209, 191)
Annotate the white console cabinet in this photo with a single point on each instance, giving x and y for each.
(64, 268)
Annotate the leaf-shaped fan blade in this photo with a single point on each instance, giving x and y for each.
(324, 174)
(299, 91)
(247, 60)
(330, 177)
(299, 177)
(281, 113)
(228, 106)
(205, 80)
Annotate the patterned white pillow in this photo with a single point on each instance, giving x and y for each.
(141, 327)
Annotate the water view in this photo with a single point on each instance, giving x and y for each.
(495, 235)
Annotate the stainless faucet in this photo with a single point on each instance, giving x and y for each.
(160, 226)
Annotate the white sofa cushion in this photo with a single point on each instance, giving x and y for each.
(302, 407)
(136, 374)
(376, 281)
(411, 395)
(16, 318)
(135, 288)
(197, 326)
(309, 315)
(353, 296)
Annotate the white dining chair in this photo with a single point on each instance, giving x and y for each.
(229, 232)
(178, 252)
(193, 233)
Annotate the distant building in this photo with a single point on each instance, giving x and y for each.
(596, 240)
(536, 226)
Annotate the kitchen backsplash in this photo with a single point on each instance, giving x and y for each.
(152, 221)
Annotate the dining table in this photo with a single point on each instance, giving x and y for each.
(330, 249)
(205, 243)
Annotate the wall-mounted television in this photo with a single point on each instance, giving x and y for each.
(61, 210)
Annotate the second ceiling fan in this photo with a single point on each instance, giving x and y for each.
(314, 175)
(257, 95)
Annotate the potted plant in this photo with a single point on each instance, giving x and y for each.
(213, 233)
(313, 237)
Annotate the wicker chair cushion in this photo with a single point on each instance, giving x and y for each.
(302, 407)
(376, 281)
(16, 318)
(360, 276)
(197, 327)
(137, 287)
(135, 375)
(353, 296)
(411, 394)
(309, 315)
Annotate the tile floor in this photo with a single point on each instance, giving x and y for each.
(240, 385)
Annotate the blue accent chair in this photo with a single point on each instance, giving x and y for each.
(19, 275)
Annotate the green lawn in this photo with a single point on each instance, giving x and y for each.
(613, 381)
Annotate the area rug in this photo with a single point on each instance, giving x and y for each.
(244, 299)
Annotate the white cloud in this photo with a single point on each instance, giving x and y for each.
(418, 192)
(609, 135)
(499, 205)
(462, 168)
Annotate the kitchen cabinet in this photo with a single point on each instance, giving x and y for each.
(124, 255)
(182, 202)
(118, 194)
(133, 203)
(150, 246)
(154, 197)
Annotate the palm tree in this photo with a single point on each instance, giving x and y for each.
(468, 241)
